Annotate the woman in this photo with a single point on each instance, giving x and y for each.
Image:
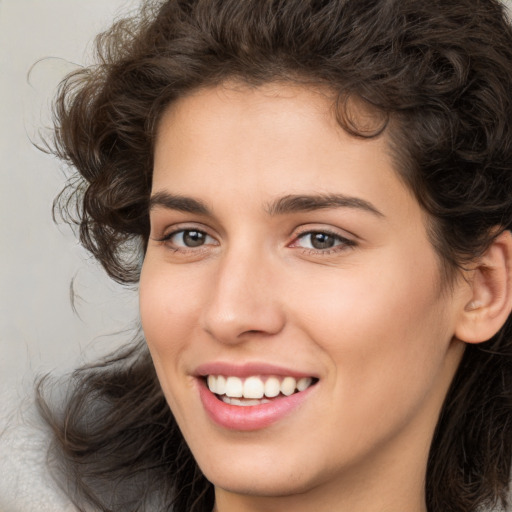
(320, 194)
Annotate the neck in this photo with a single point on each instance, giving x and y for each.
(370, 502)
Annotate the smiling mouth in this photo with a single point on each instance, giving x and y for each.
(255, 390)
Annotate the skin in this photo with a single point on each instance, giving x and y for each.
(368, 317)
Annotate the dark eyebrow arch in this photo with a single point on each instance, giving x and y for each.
(177, 202)
(305, 203)
(283, 205)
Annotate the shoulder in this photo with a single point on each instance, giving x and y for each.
(25, 482)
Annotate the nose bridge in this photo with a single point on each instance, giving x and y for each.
(243, 298)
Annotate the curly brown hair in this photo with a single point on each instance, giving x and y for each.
(439, 73)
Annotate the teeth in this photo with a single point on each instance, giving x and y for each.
(253, 389)
(234, 387)
(242, 402)
(272, 387)
(212, 384)
(220, 385)
(304, 383)
(288, 386)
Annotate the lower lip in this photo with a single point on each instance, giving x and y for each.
(252, 417)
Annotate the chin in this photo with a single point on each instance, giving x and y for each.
(263, 471)
(260, 482)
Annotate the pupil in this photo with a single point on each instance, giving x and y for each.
(322, 241)
(193, 238)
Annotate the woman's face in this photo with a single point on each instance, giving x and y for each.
(287, 254)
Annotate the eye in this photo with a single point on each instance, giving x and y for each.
(321, 241)
(189, 238)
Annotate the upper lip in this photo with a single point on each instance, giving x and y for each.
(247, 370)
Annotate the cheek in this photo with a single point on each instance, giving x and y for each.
(383, 330)
(168, 305)
(168, 310)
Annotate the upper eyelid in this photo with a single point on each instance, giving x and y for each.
(309, 228)
(172, 233)
(345, 238)
(166, 240)
(171, 229)
(296, 232)
(342, 238)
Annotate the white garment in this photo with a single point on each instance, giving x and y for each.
(25, 482)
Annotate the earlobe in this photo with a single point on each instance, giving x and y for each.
(490, 302)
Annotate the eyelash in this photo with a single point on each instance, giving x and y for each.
(341, 243)
(184, 248)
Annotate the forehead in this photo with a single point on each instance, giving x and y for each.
(271, 140)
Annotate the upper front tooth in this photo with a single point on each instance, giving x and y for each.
(272, 387)
(288, 386)
(253, 388)
(234, 387)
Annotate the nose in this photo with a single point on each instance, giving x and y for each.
(244, 300)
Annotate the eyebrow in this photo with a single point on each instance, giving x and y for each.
(281, 206)
(305, 203)
(177, 202)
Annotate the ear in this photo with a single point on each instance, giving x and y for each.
(490, 293)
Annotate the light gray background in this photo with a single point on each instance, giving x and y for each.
(39, 331)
